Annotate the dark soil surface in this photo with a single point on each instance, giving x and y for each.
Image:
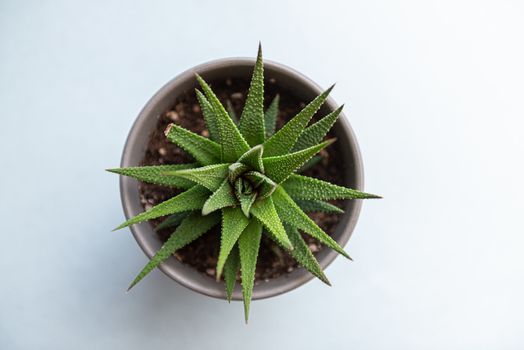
(202, 254)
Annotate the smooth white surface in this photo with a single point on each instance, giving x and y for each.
(433, 89)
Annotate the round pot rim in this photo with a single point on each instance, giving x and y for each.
(143, 240)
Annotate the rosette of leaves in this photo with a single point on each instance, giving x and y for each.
(245, 177)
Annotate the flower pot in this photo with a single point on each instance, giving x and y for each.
(162, 101)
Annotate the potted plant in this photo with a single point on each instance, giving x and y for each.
(233, 187)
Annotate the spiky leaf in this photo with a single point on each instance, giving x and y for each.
(233, 223)
(192, 199)
(280, 168)
(309, 164)
(248, 244)
(284, 139)
(264, 210)
(235, 170)
(246, 201)
(231, 111)
(290, 213)
(172, 221)
(156, 174)
(270, 117)
(231, 268)
(304, 187)
(253, 158)
(318, 206)
(209, 176)
(251, 123)
(233, 144)
(316, 132)
(202, 149)
(264, 185)
(209, 117)
(221, 198)
(303, 255)
(190, 229)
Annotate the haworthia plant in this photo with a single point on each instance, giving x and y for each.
(246, 180)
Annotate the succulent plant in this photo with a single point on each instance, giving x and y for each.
(245, 177)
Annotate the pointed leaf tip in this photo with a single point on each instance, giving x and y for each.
(204, 150)
(168, 129)
(252, 122)
(232, 142)
(249, 244)
(190, 229)
(285, 138)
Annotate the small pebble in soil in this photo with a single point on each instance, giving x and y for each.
(162, 151)
(313, 247)
(205, 133)
(173, 116)
(210, 271)
(272, 80)
(196, 109)
(229, 82)
(237, 95)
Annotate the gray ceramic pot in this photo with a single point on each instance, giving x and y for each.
(163, 100)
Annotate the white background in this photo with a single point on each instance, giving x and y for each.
(433, 89)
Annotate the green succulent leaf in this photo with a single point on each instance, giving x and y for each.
(209, 176)
(248, 244)
(172, 220)
(233, 223)
(270, 117)
(284, 139)
(291, 213)
(235, 170)
(318, 206)
(303, 255)
(156, 174)
(209, 117)
(316, 132)
(233, 144)
(304, 187)
(231, 268)
(204, 150)
(253, 158)
(264, 210)
(192, 199)
(231, 111)
(221, 198)
(190, 229)
(246, 201)
(251, 124)
(310, 164)
(279, 168)
(263, 184)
